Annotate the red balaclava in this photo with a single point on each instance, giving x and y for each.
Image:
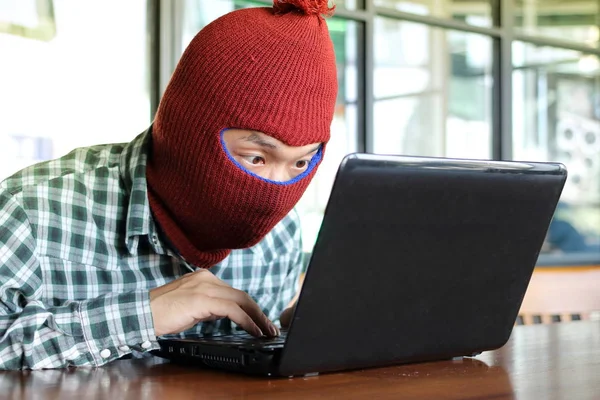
(270, 70)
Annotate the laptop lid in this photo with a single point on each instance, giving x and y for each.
(420, 259)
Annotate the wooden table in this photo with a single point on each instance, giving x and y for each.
(560, 361)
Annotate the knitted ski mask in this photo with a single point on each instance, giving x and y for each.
(270, 70)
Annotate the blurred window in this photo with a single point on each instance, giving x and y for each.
(433, 93)
(556, 117)
(73, 73)
(472, 12)
(571, 20)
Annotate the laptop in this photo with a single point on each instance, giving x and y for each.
(417, 259)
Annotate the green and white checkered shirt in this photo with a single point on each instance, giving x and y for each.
(79, 252)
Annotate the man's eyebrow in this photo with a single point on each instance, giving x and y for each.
(254, 138)
(313, 150)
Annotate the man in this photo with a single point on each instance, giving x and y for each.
(108, 247)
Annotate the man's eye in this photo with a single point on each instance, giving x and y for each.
(254, 160)
(301, 164)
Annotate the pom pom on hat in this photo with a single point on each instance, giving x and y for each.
(307, 7)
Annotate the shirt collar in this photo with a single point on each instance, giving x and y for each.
(139, 222)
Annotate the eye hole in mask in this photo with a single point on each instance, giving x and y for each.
(312, 164)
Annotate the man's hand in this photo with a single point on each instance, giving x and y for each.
(201, 296)
(286, 316)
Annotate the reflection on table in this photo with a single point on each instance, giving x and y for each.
(539, 362)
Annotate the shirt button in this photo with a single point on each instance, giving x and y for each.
(105, 353)
(146, 345)
(154, 239)
(124, 348)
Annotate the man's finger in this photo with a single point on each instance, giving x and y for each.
(243, 300)
(230, 309)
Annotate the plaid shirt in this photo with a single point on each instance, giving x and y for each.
(79, 252)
